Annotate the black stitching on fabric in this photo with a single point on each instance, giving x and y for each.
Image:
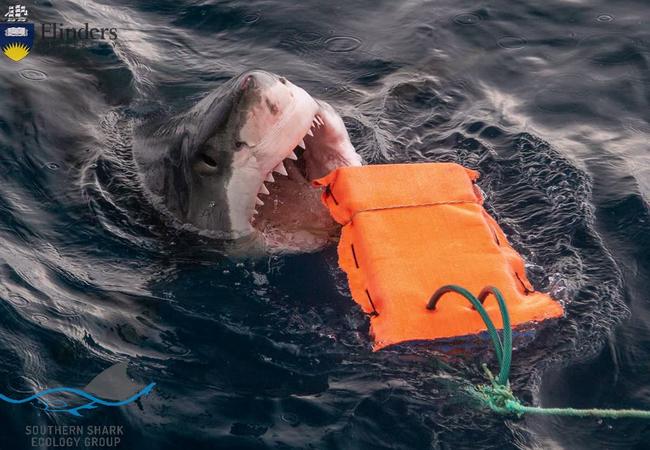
(328, 191)
(496, 237)
(374, 310)
(354, 255)
(526, 290)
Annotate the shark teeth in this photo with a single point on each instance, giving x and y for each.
(281, 169)
(316, 123)
(293, 156)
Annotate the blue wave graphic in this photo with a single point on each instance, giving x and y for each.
(93, 401)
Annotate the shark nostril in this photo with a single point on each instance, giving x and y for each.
(273, 108)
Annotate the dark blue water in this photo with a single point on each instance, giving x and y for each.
(548, 100)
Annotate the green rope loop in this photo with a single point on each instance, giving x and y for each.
(503, 349)
(497, 395)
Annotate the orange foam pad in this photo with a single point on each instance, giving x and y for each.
(409, 229)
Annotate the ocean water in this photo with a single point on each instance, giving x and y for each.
(548, 100)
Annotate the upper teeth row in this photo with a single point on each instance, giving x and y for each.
(316, 123)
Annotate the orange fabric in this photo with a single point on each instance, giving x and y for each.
(409, 229)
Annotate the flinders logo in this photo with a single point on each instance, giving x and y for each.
(16, 35)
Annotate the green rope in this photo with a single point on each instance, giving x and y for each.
(503, 349)
(498, 395)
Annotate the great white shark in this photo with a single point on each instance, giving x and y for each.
(237, 165)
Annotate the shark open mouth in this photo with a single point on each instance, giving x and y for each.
(238, 165)
(288, 211)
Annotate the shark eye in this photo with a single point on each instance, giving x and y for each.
(208, 160)
(239, 144)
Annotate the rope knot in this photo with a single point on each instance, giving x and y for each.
(497, 397)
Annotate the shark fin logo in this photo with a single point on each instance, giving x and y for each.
(112, 387)
(16, 35)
